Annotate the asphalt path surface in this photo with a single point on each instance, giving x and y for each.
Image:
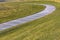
(48, 10)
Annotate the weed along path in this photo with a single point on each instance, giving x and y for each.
(48, 10)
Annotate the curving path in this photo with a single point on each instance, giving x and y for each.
(48, 10)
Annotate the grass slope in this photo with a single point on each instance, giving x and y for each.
(11, 11)
(46, 28)
(30, 0)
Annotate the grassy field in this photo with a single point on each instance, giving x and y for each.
(11, 11)
(31, 0)
(46, 28)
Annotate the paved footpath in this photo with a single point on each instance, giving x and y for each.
(48, 10)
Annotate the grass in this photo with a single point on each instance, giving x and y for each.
(12, 11)
(30, 0)
(46, 28)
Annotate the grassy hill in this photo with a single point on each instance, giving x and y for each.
(14, 10)
(31, 0)
(46, 28)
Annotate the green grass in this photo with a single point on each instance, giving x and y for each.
(12, 11)
(46, 28)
